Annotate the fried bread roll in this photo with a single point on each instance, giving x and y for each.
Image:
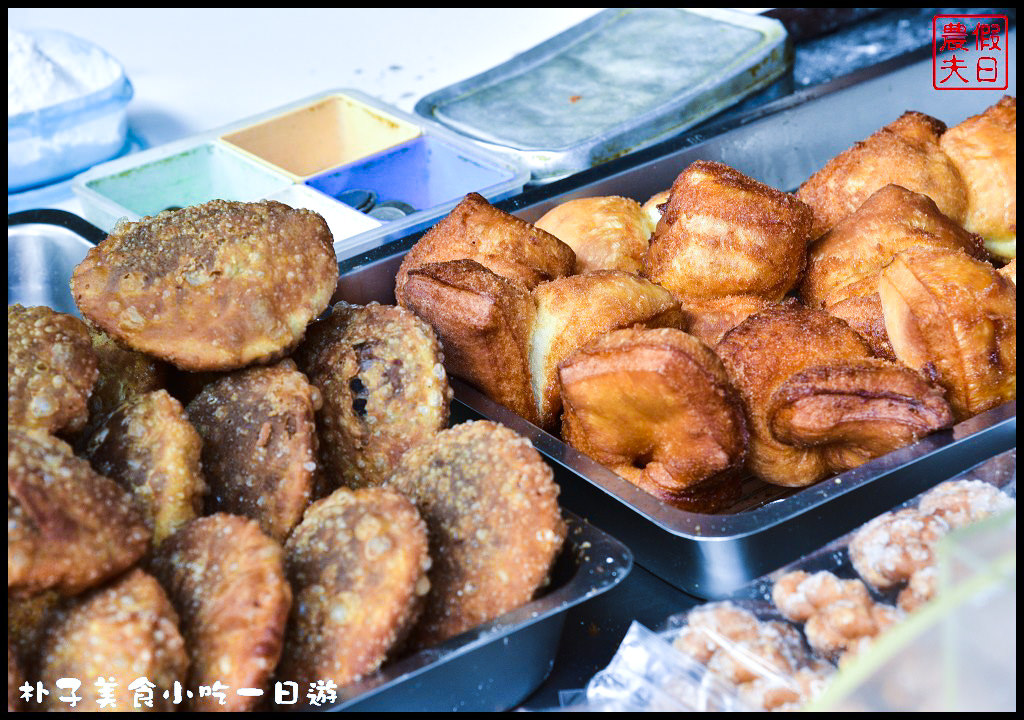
(817, 401)
(490, 504)
(953, 318)
(654, 206)
(216, 286)
(150, 448)
(381, 373)
(51, 369)
(984, 149)
(226, 580)
(1009, 271)
(504, 244)
(656, 407)
(723, 233)
(572, 311)
(709, 321)
(843, 264)
(606, 233)
(357, 564)
(68, 528)
(905, 152)
(116, 635)
(483, 321)
(259, 444)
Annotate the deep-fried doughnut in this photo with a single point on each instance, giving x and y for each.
(381, 373)
(68, 528)
(501, 242)
(51, 369)
(889, 549)
(150, 448)
(226, 580)
(954, 319)
(216, 286)
(606, 233)
(984, 149)
(259, 444)
(358, 566)
(905, 152)
(116, 635)
(817, 401)
(723, 233)
(574, 310)
(490, 503)
(657, 407)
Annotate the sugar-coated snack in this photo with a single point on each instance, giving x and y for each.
(149, 447)
(216, 286)
(123, 636)
(490, 504)
(963, 502)
(605, 232)
(68, 528)
(358, 565)
(51, 369)
(798, 595)
(889, 549)
(226, 580)
(259, 444)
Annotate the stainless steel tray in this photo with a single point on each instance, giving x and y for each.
(781, 143)
(579, 99)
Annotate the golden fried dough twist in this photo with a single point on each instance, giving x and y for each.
(358, 566)
(216, 286)
(504, 244)
(490, 504)
(119, 634)
(51, 369)
(817, 401)
(984, 149)
(657, 407)
(151, 449)
(68, 528)
(606, 233)
(905, 152)
(226, 580)
(723, 233)
(954, 319)
(381, 374)
(259, 444)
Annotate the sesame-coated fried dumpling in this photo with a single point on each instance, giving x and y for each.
(226, 580)
(150, 448)
(68, 528)
(358, 566)
(119, 633)
(51, 369)
(381, 372)
(259, 444)
(491, 507)
(216, 286)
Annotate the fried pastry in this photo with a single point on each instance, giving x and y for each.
(817, 401)
(889, 549)
(226, 580)
(848, 625)
(504, 244)
(656, 407)
(710, 320)
(27, 620)
(490, 504)
(380, 371)
(798, 595)
(954, 319)
(606, 233)
(51, 369)
(984, 149)
(572, 311)
(922, 587)
(483, 322)
(358, 566)
(149, 446)
(960, 503)
(216, 286)
(1009, 271)
(68, 528)
(905, 152)
(654, 207)
(723, 233)
(843, 265)
(259, 444)
(116, 636)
